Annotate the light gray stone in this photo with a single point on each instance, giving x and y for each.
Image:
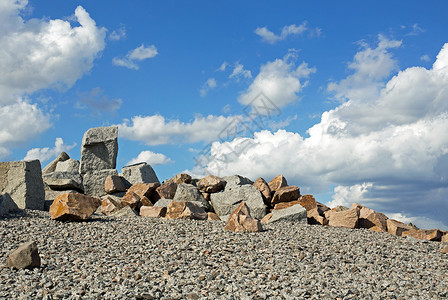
(99, 149)
(69, 165)
(189, 193)
(126, 211)
(225, 202)
(22, 180)
(139, 173)
(7, 205)
(163, 202)
(61, 181)
(236, 180)
(93, 182)
(51, 167)
(295, 213)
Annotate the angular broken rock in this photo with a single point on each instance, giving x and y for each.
(346, 218)
(51, 167)
(445, 236)
(277, 183)
(444, 250)
(225, 202)
(93, 181)
(50, 195)
(369, 218)
(26, 256)
(126, 211)
(211, 184)
(7, 205)
(99, 149)
(110, 205)
(240, 220)
(114, 184)
(397, 228)
(421, 234)
(167, 190)
(132, 200)
(212, 217)
(143, 189)
(139, 173)
(286, 194)
(264, 189)
(308, 202)
(185, 210)
(377, 229)
(73, 207)
(22, 180)
(180, 178)
(62, 181)
(190, 193)
(153, 212)
(314, 210)
(69, 165)
(236, 180)
(163, 202)
(295, 213)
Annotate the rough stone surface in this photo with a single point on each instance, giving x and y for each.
(181, 178)
(51, 167)
(264, 189)
(190, 193)
(143, 189)
(26, 256)
(69, 165)
(286, 194)
(22, 180)
(163, 203)
(7, 205)
(50, 195)
(153, 212)
(167, 190)
(211, 184)
(369, 218)
(240, 220)
(126, 211)
(114, 184)
(236, 180)
(62, 181)
(73, 207)
(346, 218)
(139, 173)
(421, 234)
(110, 205)
(99, 149)
(308, 202)
(225, 202)
(93, 182)
(132, 200)
(295, 213)
(397, 228)
(185, 210)
(277, 183)
(445, 237)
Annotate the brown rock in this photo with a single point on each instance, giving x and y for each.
(421, 234)
(369, 218)
(131, 199)
(315, 217)
(139, 194)
(308, 202)
(114, 184)
(153, 212)
(263, 187)
(167, 190)
(26, 256)
(206, 196)
(143, 189)
(277, 183)
(444, 249)
(181, 178)
(283, 205)
(211, 184)
(185, 210)
(397, 228)
(377, 229)
(286, 194)
(445, 236)
(73, 206)
(212, 217)
(347, 218)
(322, 208)
(109, 206)
(266, 218)
(241, 221)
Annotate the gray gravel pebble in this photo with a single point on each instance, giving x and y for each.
(142, 258)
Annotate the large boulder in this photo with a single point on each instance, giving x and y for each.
(211, 184)
(181, 178)
(73, 207)
(69, 165)
(62, 181)
(139, 173)
(277, 182)
(346, 218)
(26, 256)
(189, 193)
(99, 149)
(295, 213)
(7, 205)
(51, 167)
(114, 184)
(225, 202)
(240, 220)
(93, 181)
(22, 180)
(264, 189)
(50, 195)
(421, 234)
(286, 194)
(153, 212)
(369, 218)
(167, 190)
(397, 228)
(109, 205)
(185, 210)
(236, 180)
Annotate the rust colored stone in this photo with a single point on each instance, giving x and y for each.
(277, 183)
(283, 205)
(421, 234)
(185, 210)
(131, 199)
(308, 202)
(445, 236)
(73, 206)
(347, 218)
(444, 250)
(264, 189)
(143, 189)
(377, 229)
(241, 221)
(266, 218)
(181, 178)
(211, 184)
(286, 194)
(212, 217)
(114, 184)
(397, 228)
(369, 218)
(167, 190)
(109, 206)
(153, 212)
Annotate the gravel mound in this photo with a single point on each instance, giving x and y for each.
(141, 258)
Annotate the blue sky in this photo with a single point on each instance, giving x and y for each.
(358, 91)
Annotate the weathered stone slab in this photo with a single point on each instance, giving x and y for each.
(240, 220)
(369, 218)
(22, 180)
(73, 207)
(264, 189)
(211, 184)
(277, 183)
(114, 184)
(26, 256)
(62, 181)
(167, 190)
(190, 193)
(110, 205)
(185, 210)
(51, 167)
(346, 218)
(295, 213)
(286, 194)
(69, 165)
(181, 178)
(397, 228)
(153, 212)
(93, 182)
(236, 180)
(99, 149)
(139, 173)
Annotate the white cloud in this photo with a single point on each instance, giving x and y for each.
(416, 29)
(156, 130)
(118, 34)
(280, 80)
(223, 67)
(387, 150)
(95, 100)
(239, 72)
(39, 54)
(425, 58)
(138, 54)
(151, 158)
(44, 154)
(207, 86)
(269, 37)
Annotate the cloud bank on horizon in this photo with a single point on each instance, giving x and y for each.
(379, 138)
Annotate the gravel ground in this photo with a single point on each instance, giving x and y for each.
(141, 258)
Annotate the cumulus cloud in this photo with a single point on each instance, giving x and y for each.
(134, 56)
(271, 38)
(151, 158)
(387, 150)
(118, 34)
(156, 130)
(239, 72)
(95, 100)
(207, 86)
(280, 80)
(44, 154)
(39, 54)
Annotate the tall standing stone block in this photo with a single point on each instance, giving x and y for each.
(22, 180)
(99, 149)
